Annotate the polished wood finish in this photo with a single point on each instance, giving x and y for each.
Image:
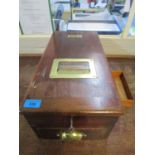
(93, 121)
(45, 120)
(92, 103)
(80, 95)
(123, 131)
(91, 133)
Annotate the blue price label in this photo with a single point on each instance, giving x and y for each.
(32, 103)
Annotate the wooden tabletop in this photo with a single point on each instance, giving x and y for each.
(74, 96)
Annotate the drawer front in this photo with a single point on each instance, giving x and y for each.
(49, 126)
(45, 120)
(91, 133)
(93, 121)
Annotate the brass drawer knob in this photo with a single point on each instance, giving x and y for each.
(71, 135)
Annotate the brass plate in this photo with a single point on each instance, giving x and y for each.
(72, 68)
(74, 36)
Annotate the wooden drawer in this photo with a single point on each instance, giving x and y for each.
(93, 121)
(91, 133)
(94, 127)
(122, 88)
(47, 120)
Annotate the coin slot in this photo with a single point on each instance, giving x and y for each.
(73, 68)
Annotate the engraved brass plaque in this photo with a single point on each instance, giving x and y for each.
(72, 68)
(74, 36)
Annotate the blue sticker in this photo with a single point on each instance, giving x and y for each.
(31, 103)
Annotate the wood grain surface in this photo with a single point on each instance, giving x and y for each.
(74, 96)
(120, 141)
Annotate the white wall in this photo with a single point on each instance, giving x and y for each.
(113, 45)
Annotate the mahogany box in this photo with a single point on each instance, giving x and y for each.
(73, 94)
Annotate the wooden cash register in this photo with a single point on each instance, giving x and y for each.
(73, 95)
